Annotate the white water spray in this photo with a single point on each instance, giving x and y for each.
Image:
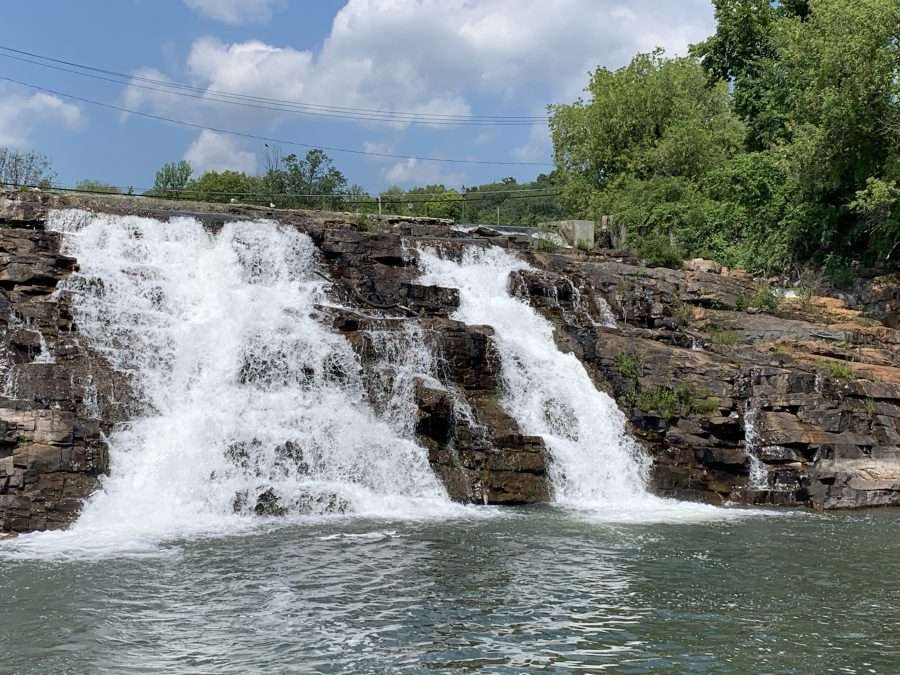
(594, 464)
(248, 400)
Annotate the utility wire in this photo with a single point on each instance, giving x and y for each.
(268, 139)
(396, 116)
(268, 197)
(537, 192)
(205, 97)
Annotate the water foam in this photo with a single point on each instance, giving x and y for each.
(595, 466)
(245, 395)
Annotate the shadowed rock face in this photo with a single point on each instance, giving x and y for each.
(55, 398)
(794, 406)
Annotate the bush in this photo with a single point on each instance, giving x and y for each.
(765, 299)
(628, 365)
(725, 338)
(838, 370)
(658, 251)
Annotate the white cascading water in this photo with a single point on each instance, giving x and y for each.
(594, 464)
(245, 394)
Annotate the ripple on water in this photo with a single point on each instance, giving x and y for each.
(547, 589)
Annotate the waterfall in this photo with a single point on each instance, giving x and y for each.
(249, 405)
(594, 464)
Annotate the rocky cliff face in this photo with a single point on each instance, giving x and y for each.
(794, 402)
(791, 402)
(56, 397)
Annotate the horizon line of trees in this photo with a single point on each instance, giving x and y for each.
(313, 181)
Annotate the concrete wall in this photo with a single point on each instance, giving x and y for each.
(578, 233)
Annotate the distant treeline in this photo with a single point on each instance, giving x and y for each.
(313, 181)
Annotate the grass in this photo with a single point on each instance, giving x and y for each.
(766, 299)
(870, 407)
(682, 312)
(838, 370)
(669, 402)
(725, 338)
(628, 365)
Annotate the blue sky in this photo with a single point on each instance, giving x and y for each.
(429, 57)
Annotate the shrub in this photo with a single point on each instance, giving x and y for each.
(658, 251)
(628, 365)
(706, 406)
(682, 312)
(766, 299)
(726, 338)
(838, 370)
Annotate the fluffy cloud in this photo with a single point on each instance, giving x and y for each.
(215, 152)
(445, 57)
(237, 11)
(21, 113)
(413, 171)
(435, 56)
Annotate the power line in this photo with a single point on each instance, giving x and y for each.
(280, 104)
(205, 97)
(268, 139)
(339, 198)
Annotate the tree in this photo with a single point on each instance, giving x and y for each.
(313, 180)
(25, 168)
(172, 179)
(89, 185)
(788, 154)
(223, 186)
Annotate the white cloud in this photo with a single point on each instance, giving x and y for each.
(21, 113)
(216, 152)
(238, 11)
(443, 57)
(414, 171)
(377, 148)
(436, 56)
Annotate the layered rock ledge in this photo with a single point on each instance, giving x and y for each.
(789, 402)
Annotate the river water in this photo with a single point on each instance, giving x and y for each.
(530, 590)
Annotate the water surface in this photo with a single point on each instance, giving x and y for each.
(533, 590)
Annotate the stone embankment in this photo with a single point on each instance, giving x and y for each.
(739, 395)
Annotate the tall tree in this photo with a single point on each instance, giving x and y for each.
(23, 168)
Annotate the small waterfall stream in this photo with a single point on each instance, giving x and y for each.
(595, 465)
(250, 405)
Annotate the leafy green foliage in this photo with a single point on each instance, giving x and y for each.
(628, 365)
(871, 407)
(775, 146)
(97, 186)
(838, 370)
(725, 338)
(681, 400)
(765, 299)
(172, 179)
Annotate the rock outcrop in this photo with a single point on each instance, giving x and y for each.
(738, 395)
(56, 395)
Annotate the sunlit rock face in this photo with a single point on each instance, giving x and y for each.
(187, 367)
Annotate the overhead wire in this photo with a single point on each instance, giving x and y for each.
(282, 105)
(340, 198)
(269, 139)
